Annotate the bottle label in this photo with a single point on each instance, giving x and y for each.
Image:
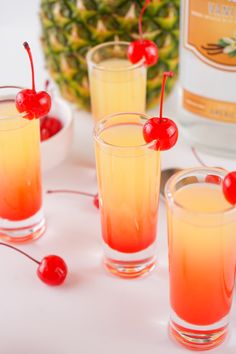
(210, 31)
(209, 108)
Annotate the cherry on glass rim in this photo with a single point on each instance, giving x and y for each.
(52, 269)
(229, 187)
(228, 183)
(162, 129)
(33, 104)
(143, 48)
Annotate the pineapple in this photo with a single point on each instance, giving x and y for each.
(71, 27)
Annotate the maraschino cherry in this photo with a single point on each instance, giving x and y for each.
(213, 179)
(49, 126)
(52, 269)
(69, 191)
(229, 187)
(143, 48)
(96, 201)
(228, 183)
(34, 104)
(163, 130)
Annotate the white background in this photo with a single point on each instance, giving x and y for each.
(92, 312)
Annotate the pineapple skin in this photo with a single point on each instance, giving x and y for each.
(71, 27)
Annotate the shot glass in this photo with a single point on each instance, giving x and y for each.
(128, 172)
(116, 85)
(21, 216)
(202, 257)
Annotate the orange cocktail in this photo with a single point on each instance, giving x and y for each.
(128, 172)
(20, 178)
(202, 257)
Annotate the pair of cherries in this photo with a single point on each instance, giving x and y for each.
(38, 104)
(163, 130)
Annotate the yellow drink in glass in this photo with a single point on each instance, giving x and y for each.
(128, 173)
(116, 85)
(202, 257)
(21, 217)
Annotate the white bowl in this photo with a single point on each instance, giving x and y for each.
(55, 149)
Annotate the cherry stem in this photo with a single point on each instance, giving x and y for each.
(165, 75)
(47, 82)
(18, 250)
(71, 192)
(140, 26)
(27, 48)
(197, 157)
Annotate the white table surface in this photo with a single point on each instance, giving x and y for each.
(93, 312)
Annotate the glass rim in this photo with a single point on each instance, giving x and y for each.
(12, 116)
(97, 130)
(98, 66)
(178, 176)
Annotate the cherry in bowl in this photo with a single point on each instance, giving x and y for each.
(49, 126)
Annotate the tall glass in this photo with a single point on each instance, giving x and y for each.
(116, 85)
(21, 217)
(202, 257)
(128, 171)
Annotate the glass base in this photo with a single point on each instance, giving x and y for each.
(198, 337)
(130, 265)
(23, 231)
